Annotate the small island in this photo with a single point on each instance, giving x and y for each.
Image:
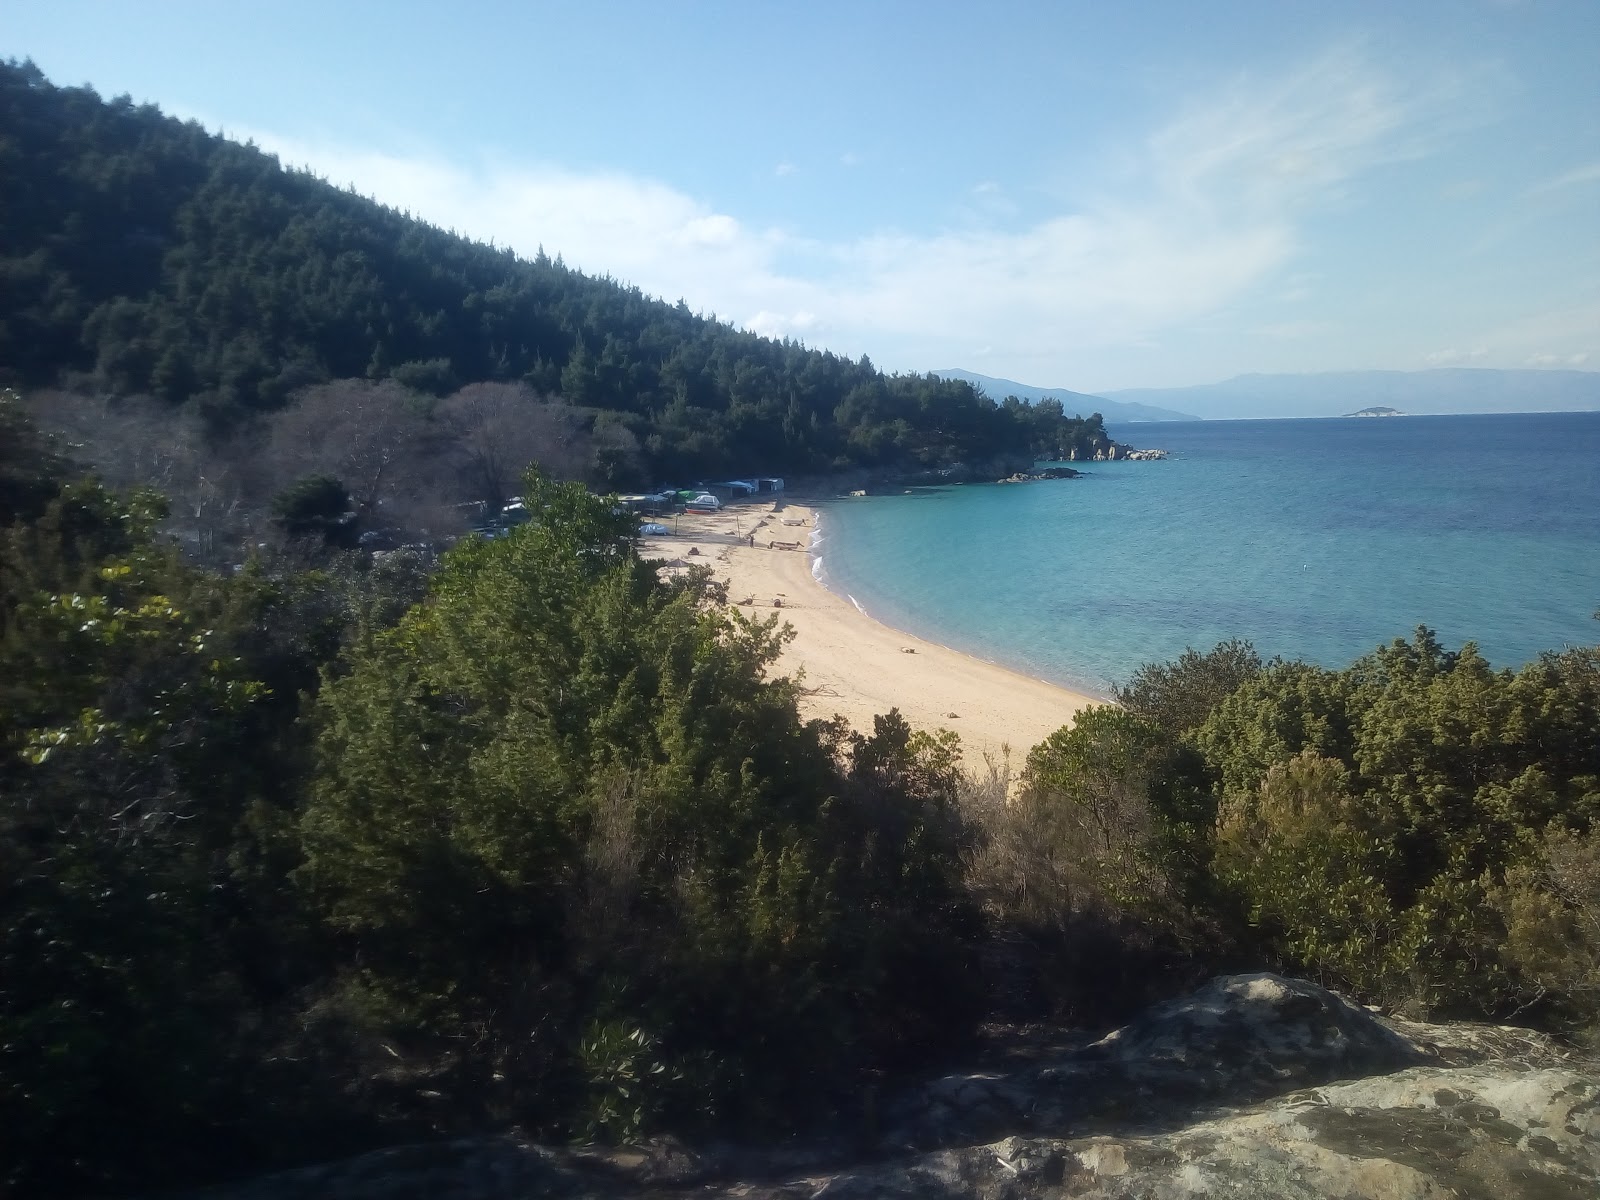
(1377, 411)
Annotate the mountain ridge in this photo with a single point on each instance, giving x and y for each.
(1437, 391)
(1112, 410)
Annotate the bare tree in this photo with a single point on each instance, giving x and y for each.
(500, 428)
(134, 441)
(375, 438)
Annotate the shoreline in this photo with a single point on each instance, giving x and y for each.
(1092, 696)
(848, 662)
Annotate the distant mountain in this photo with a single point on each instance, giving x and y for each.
(1333, 393)
(1081, 403)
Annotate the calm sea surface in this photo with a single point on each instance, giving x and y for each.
(1315, 539)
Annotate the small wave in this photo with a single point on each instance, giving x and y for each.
(814, 548)
(857, 603)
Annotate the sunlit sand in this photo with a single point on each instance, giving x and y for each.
(848, 663)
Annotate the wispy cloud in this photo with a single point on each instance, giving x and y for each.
(1211, 209)
(1293, 331)
(1455, 358)
(785, 168)
(1567, 336)
(1577, 177)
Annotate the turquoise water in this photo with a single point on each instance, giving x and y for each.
(1315, 539)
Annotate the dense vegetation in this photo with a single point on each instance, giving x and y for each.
(331, 848)
(292, 855)
(338, 849)
(157, 259)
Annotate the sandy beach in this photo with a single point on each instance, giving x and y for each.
(850, 664)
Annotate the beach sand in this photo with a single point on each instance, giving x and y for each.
(850, 664)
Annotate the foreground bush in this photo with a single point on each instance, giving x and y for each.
(1090, 866)
(594, 867)
(1417, 829)
(1372, 820)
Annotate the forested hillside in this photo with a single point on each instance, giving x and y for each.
(298, 862)
(163, 260)
(332, 850)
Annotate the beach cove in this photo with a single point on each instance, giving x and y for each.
(849, 664)
(1316, 540)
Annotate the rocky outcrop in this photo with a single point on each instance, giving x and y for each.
(1041, 473)
(981, 471)
(1486, 1133)
(1254, 1086)
(1240, 1038)
(1115, 452)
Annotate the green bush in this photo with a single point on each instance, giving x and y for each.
(1368, 817)
(561, 798)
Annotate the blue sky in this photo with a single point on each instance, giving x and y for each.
(1062, 194)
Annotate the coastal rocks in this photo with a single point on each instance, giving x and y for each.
(1254, 1085)
(1117, 452)
(1486, 1133)
(1241, 1038)
(997, 467)
(1043, 473)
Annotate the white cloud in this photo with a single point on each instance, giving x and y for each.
(1577, 177)
(1567, 337)
(1268, 145)
(1211, 211)
(785, 168)
(782, 325)
(1455, 358)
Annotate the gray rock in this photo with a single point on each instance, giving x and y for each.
(1475, 1133)
(1238, 1039)
(1254, 1086)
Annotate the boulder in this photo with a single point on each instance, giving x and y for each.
(1253, 1086)
(1238, 1039)
(1427, 1133)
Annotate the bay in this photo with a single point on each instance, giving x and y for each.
(1315, 539)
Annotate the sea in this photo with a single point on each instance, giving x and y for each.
(1314, 539)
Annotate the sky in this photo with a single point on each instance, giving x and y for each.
(1067, 194)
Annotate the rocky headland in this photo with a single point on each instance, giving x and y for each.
(1253, 1086)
